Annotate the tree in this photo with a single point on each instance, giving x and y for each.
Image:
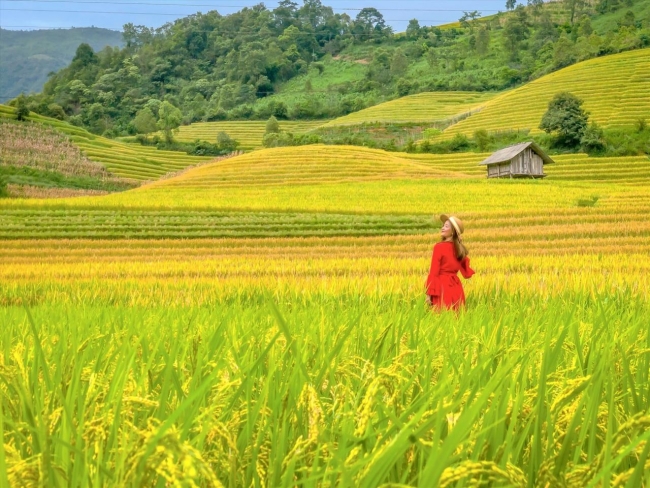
(566, 118)
(482, 44)
(84, 56)
(169, 120)
(469, 19)
(628, 20)
(399, 64)
(272, 126)
(564, 52)
(20, 109)
(370, 24)
(413, 29)
(432, 58)
(516, 30)
(145, 121)
(575, 8)
(536, 6)
(510, 4)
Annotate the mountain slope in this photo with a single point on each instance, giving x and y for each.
(615, 89)
(125, 160)
(423, 107)
(26, 57)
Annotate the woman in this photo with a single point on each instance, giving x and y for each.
(449, 257)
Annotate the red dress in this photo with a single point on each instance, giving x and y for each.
(443, 285)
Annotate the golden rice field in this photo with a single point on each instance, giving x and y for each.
(422, 107)
(260, 321)
(614, 89)
(125, 160)
(248, 133)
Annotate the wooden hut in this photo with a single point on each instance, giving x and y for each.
(524, 160)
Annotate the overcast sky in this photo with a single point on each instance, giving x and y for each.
(30, 14)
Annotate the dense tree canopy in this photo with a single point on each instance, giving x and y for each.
(214, 67)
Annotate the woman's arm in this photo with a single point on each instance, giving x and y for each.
(465, 270)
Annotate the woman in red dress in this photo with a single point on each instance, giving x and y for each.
(443, 286)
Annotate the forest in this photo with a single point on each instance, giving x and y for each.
(307, 62)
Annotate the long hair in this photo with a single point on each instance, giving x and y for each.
(461, 250)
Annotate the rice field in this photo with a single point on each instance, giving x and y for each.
(248, 133)
(422, 107)
(614, 89)
(131, 161)
(259, 321)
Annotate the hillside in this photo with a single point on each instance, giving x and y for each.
(308, 66)
(27, 57)
(354, 179)
(39, 161)
(423, 107)
(249, 134)
(131, 161)
(615, 90)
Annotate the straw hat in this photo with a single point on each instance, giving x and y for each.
(455, 222)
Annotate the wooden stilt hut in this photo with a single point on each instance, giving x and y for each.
(524, 160)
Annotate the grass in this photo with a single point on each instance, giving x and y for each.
(614, 89)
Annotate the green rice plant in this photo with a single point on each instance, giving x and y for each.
(331, 390)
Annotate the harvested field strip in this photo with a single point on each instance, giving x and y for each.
(601, 225)
(423, 107)
(248, 133)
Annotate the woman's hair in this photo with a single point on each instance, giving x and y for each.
(461, 250)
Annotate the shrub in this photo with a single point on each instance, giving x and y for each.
(272, 126)
(641, 125)
(460, 142)
(482, 139)
(3, 186)
(319, 66)
(21, 110)
(283, 139)
(593, 139)
(225, 143)
(587, 202)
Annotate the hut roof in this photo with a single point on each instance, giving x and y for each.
(508, 153)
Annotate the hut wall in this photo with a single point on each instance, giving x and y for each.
(528, 162)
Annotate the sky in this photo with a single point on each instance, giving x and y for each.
(45, 14)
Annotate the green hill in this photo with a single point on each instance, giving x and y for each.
(615, 90)
(27, 57)
(304, 65)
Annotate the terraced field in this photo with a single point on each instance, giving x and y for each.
(260, 321)
(124, 160)
(248, 133)
(423, 107)
(615, 90)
